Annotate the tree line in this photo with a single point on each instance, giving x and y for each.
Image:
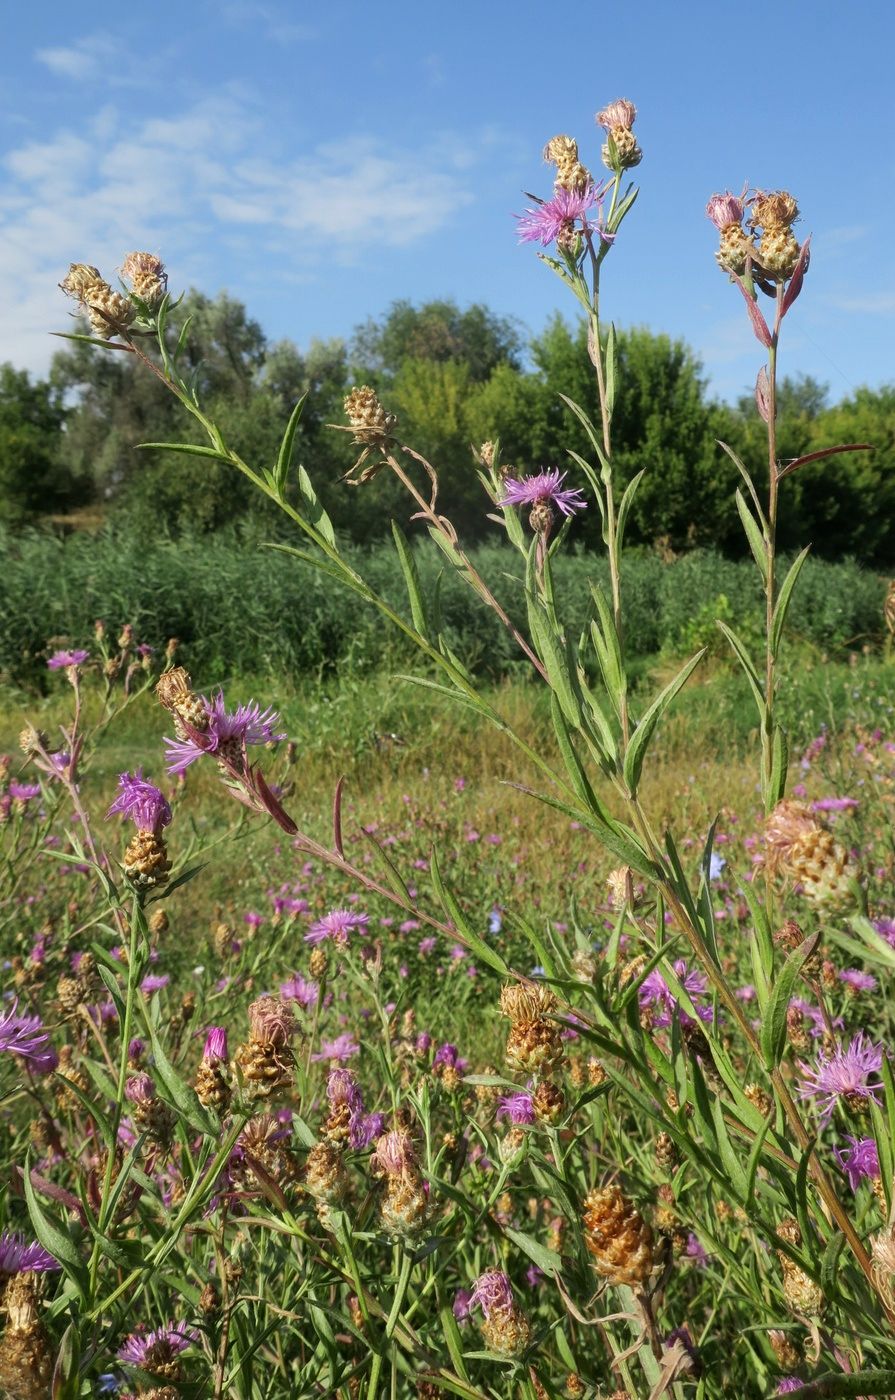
(455, 377)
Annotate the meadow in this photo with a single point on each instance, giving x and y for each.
(449, 972)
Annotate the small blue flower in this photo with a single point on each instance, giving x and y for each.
(495, 922)
(716, 865)
(107, 1384)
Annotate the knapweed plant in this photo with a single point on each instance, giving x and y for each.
(663, 1165)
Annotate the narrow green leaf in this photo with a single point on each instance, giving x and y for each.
(191, 449)
(625, 505)
(757, 542)
(183, 1097)
(611, 374)
(284, 456)
(615, 836)
(411, 579)
(316, 515)
(573, 764)
(608, 649)
(779, 767)
(589, 428)
(747, 664)
(835, 1385)
(546, 1259)
(474, 942)
(640, 739)
(773, 1030)
(781, 607)
(754, 1160)
(58, 1240)
(731, 1162)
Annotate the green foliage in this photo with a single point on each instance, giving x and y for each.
(238, 606)
(33, 478)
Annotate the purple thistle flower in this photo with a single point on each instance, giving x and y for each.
(142, 802)
(24, 792)
(859, 1161)
(299, 989)
(154, 982)
(789, 1384)
(845, 1074)
(17, 1257)
(656, 994)
(149, 1350)
(696, 1251)
(492, 1292)
(215, 1045)
(25, 1036)
(547, 221)
(342, 1087)
(338, 925)
(517, 1109)
(427, 945)
(247, 724)
(858, 981)
(543, 489)
(365, 1128)
(342, 1048)
(835, 804)
(449, 1056)
(460, 1306)
(60, 659)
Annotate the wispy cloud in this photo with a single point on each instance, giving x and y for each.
(97, 56)
(187, 183)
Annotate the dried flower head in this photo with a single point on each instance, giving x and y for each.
(147, 276)
(108, 312)
(26, 1358)
(617, 1236)
(526, 1000)
(621, 151)
(799, 847)
(799, 1289)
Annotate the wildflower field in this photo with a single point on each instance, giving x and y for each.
(505, 1015)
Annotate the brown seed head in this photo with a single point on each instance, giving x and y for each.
(535, 1047)
(617, 1236)
(147, 276)
(146, 862)
(526, 1001)
(548, 1102)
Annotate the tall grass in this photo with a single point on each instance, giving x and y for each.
(238, 607)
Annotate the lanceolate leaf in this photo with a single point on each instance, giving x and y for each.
(773, 1030)
(640, 739)
(284, 456)
(783, 601)
(747, 664)
(757, 542)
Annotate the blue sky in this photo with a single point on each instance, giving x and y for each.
(319, 161)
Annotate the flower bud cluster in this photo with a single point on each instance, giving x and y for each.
(265, 1060)
(405, 1205)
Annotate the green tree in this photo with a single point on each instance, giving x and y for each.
(33, 477)
(439, 331)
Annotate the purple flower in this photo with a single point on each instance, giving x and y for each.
(656, 994)
(154, 982)
(142, 802)
(557, 216)
(342, 1048)
(24, 792)
(300, 989)
(460, 1307)
(449, 1055)
(845, 1074)
(725, 209)
(364, 1128)
(696, 1251)
(834, 804)
(492, 1292)
(517, 1108)
(543, 489)
(247, 724)
(215, 1044)
(337, 925)
(788, 1384)
(859, 1160)
(61, 659)
(25, 1036)
(427, 945)
(149, 1350)
(342, 1087)
(858, 981)
(17, 1257)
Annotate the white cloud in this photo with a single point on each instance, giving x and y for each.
(184, 186)
(98, 56)
(873, 303)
